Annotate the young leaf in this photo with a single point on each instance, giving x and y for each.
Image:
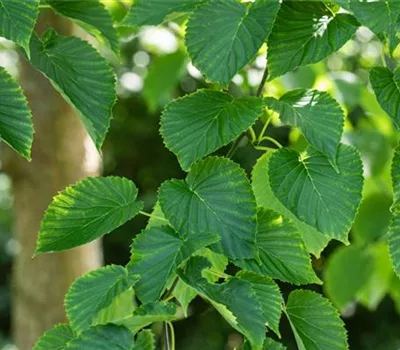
(207, 203)
(312, 190)
(281, 250)
(88, 84)
(317, 114)
(315, 322)
(95, 291)
(241, 32)
(268, 295)
(16, 127)
(145, 341)
(346, 273)
(155, 255)
(385, 85)
(92, 16)
(306, 32)
(314, 241)
(104, 337)
(86, 211)
(17, 20)
(56, 338)
(235, 300)
(198, 124)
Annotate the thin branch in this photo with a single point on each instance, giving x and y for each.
(263, 81)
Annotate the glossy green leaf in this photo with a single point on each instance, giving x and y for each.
(199, 124)
(56, 338)
(155, 255)
(306, 32)
(317, 114)
(86, 211)
(91, 15)
(386, 87)
(268, 295)
(312, 190)
(234, 299)
(145, 341)
(207, 203)
(17, 20)
(94, 291)
(16, 127)
(88, 84)
(315, 322)
(314, 241)
(281, 250)
(241, 32)
(104, 337)
(346, 273)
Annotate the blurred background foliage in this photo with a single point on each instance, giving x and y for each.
(154, 69)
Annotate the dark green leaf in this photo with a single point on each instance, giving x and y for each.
(394, 230)
(56, 338)
(145, 341)
(207, 203)
(199, 124)
(86, 211)
(241, 30)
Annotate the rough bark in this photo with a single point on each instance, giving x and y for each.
(62, 154)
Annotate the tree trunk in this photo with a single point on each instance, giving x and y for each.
(62, 154)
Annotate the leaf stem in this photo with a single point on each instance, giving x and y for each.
(264, 129)
(172, 331)
(44, 6)
(166, 332)
(262, 84)
(271, 139)
(152, 216)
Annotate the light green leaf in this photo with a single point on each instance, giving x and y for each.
(234, 299)
(16, 127)
(315, 322)
(56, 338)
(199, 124)
(155, 255)
(104, 337)
(92, 16)
(268, 295)
(86, 211)
(281, 250)
(149, 313)
(312, 190)
(17, 20)
(207, 203)
(241, 32)
(386, 88)
(314, 241)
(95, 291)
(153, 12)
(145, 341)
(306, 32)
(317, 114)
(269, 344)
(347, 272)
(88, 83)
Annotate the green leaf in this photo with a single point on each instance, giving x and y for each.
(17, 20)
(312, 190)
(207, 203)
(153, 12)
(86, 211)
(95, 291)
(269, 344)
(268, 295)
(145, 341)
(241, 32)
(394, 229)
(306, 32)
(92, 16)
(56, 338)
(314, 241)
(155, 255)
(346, 273)
(16, 127)
(281, 250)
(198, 124)
(88, 84)
(386, 88)
(315, 322)
(149, 313)
(104, 337)
(317, 114)
(235, 300)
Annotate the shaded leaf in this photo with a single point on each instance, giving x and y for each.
(145, 341)
(394, 229)
(56, 338)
